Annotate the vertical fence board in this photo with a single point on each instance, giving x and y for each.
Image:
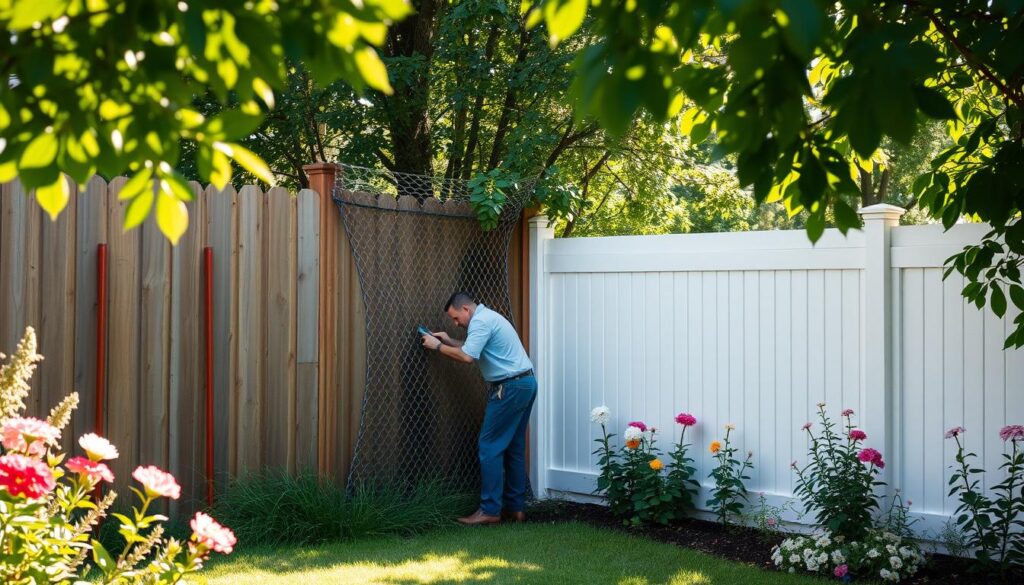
(307, 348)
(91, 231)
(155, 314)
(19, 273)
(248, 378)
(57, 321)
(279, 436)
(222, 229)
(122, 405)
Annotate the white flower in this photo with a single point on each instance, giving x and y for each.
(837, 557)
(823, 558)
(812, 565)
(885, 574)
(840, 538)
(873, 553)
(890, 536)
(97, 448)
(632, 434)
(896, 562)
(792, 570)
(794, 558)
(808, 553)
(600, 415)
(891, 549)
(824, 541)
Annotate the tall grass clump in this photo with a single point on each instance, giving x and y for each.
(274, 508)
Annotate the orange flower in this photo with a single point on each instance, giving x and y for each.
(716, 446)
(656, 464)
(633, 444)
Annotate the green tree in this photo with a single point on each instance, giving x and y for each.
(108, 86)
(803, 91)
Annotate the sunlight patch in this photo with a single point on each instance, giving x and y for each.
(680, 578)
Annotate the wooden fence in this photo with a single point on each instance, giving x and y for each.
(288, 320)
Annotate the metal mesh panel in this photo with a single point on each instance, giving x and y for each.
(416, 240)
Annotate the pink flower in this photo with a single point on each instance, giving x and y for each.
(25, 476)
(841, 571)
(793, 464)
(871, 456)
(158, 483)
(209, 533)
(97, 448)
(771, 521)
(29, 435)
(848, 412)
(1012, 433)
(910, 503)
(639, 425)
(955, 432)
(686, 419)
(93, 470)
(858, 435)
(807, 426)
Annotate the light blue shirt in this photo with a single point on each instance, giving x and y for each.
(492, 341)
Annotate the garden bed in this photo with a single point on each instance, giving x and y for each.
(746, 545)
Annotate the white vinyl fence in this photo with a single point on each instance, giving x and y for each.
(757, 328)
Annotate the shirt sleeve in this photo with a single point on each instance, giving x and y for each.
(477, 335)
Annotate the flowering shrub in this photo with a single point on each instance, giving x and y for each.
(768, 518)
(838, 483)
(880, 554)
(729, 474)
(991, 524)
(638, 485)
(46, 509)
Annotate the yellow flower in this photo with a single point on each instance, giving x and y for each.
(716, 446)
(656, 464)
(633, 444)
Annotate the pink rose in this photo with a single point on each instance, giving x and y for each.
(158, 483)
(97, 448)
(209, 533)
(25, 476)
(858, 435)
(29, 435)
(639, 425)
(93, 470)
(686, 419)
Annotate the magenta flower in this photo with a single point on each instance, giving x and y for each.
(841, 571)
(869, 455)
(954, 432)
(848, 412)
(1012, 433)
(639, 425)
(685, 419)
(807, 426)
(858, 435)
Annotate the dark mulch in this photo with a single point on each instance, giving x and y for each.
(745, 545)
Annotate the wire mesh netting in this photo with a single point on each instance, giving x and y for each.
(416, 240)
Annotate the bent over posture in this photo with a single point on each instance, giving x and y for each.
(491, 341)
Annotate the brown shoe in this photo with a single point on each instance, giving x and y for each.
(516, 517)
(478, 518)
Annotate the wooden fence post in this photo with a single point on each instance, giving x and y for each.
(878, 340)
(322, 177)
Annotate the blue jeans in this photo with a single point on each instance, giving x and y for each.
(503, 447)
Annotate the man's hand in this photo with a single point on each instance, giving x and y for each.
(431, 342)
(443, 337)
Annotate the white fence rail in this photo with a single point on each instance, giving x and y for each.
(757, 328)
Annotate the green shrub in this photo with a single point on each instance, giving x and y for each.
(274, 507)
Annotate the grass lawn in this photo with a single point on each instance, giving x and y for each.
(543, 554)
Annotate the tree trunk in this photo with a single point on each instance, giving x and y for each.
(510, 102)
(407, 108)
(478, 106)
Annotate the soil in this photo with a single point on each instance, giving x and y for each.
(741, 544)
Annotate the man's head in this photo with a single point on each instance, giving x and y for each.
(460, 308)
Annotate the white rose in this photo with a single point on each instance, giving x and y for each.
(600, 415)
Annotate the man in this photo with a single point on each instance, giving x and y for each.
(492, 342)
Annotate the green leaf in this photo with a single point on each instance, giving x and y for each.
(372, 69)
(138, 209)
(171, 215)
(136, 184)
(40, 153)
(26, 13)
(933, 103)
(54, 198)
(998, 300)
(1017, 295)
(248, 160)
(563, 18)
(102, 557)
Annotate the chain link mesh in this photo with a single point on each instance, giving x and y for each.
(416, 240)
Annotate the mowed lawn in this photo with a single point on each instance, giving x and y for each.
(541, 554)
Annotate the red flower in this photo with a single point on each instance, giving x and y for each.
(93, 470)
(685, 419)
(24, 476)
(639, 425)
(858, 435)
(871, 456)
(209, 533)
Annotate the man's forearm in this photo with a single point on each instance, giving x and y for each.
(454, 353)
(453, 342)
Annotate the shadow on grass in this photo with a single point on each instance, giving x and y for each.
(508, 554)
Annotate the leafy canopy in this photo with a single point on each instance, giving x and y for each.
(108, 85)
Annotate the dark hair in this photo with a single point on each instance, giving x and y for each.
(459, 300)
